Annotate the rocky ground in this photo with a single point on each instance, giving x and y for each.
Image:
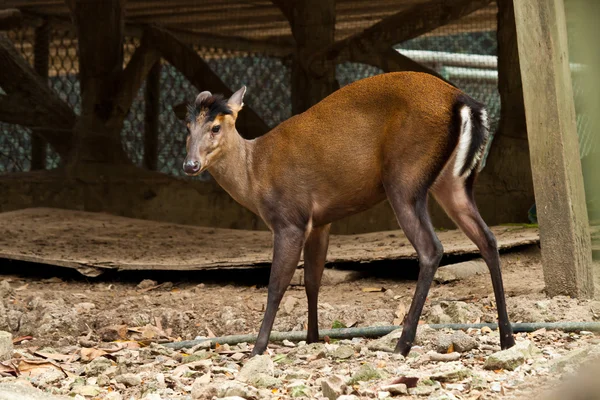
(104, 339)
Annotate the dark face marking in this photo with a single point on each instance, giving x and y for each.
(214, 105)
(203, 122)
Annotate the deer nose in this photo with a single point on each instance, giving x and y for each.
(191, 166)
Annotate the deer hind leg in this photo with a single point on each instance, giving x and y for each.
(411, 212)
(315, 252)
(455, 195)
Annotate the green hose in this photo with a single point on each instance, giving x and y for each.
(378, 331)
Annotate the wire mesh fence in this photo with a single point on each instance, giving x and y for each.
(466, 58)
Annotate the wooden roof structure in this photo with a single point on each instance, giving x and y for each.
(260, 24)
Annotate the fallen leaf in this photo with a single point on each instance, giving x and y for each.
(8, 369)
(20, 288)
(91, 354)
(400, 311)
(21, 339)
(410, 382)
(56, 357)
(373, 289)
(32, 368)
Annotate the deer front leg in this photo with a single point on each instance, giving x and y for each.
(288, 242)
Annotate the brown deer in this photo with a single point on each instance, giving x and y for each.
(397, 136)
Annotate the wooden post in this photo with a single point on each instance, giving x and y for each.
(313, 27)
(553, 144)
(41, 53)
(151, 113)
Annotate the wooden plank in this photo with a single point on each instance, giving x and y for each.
(553, 144)
(151, 121)
(41, 60)
(77, 239)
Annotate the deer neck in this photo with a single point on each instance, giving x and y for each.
(233, 171)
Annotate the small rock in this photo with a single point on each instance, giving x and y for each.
(289, 305)
(463, 270)
(452, 374)
(113, 332)
(129, 380)
(97, 366)
(343, 352)
(505, 359)
(86, 390)
(234, 388)
(5, 289)
(6, 345)
(386, 343)
(146, 284)
(365, 373)
(16, 391)
(443, 343)
(383, 395)
(348, 397)
(261, 380)
(84, 307)
(496, 387)
(454, 312)
(396, 389)
(287, 343)
(333, 387)
(571, 358)
(237, 356)
(463, 342)
(257, 364)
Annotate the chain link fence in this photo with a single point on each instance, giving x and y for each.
(466, 58)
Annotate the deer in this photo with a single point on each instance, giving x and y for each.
(398, 136)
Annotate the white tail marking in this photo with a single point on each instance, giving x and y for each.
(486, 127)
(464, 141)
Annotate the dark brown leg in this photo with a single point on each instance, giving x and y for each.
(414, 220)
(288, 243)
(456, 197)
(315, 252)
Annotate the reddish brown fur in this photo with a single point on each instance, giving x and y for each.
(392, 135)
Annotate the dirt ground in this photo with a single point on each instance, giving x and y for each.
(69, 320)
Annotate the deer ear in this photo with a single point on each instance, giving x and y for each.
(236, 101)
(202, 96)
(180, 110)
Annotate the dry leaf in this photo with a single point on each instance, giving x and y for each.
(31, 368)
(22, 287)
(57, 357)
(91, 354)
(373, 289)
(8, 369)
(400, 311)
(451, 348)
(21, 339)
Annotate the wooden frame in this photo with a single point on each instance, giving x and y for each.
(554, 149)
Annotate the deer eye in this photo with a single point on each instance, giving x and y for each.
(216, 128)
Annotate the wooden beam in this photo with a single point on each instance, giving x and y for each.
(313, 27)
(97, 134)
(131, 79)
(41, 59)
(28, 92)
(278, 47)
(404, 25)
(553, 143)
(10, 18)
(391, 60)
(199, 73)
(151, 120)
